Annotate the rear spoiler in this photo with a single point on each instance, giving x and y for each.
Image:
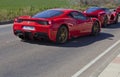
(30, 18)
(42, 21)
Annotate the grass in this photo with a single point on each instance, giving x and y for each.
(15, 4)
(9, 9)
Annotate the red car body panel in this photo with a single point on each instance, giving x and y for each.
(118, 9)
(100, 14)
(75, 27)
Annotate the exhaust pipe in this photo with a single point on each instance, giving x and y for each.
(20, 35)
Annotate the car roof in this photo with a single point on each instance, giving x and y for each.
(99, 7)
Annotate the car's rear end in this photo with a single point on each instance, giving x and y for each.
(95, 12)
(37, 26)
(118, 9)
(92, 12)
(30, 28)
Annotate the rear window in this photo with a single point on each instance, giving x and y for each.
(105, 9)
(48, 14)
(92, 9)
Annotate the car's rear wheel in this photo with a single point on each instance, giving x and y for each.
(105, 22)
(62, 34)
(95, 29)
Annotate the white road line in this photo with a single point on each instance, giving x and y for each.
(3, 26)
(95, 60)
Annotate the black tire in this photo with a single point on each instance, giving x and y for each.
(116, 19)
(62, 35)
(105, 22)
(25, 39)
(95, 29)
(21, 36)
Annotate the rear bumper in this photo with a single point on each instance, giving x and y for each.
(31, 35)
(39, 31)
(49, 34)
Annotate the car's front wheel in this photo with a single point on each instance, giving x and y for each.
(62, 34)
(95, 28)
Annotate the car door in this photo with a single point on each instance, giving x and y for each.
(83, 23)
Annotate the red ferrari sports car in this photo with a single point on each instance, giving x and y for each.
(118, 9)
(58, 25)
(105, 15)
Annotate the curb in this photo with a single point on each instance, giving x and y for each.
(6, 22)
(113, 69)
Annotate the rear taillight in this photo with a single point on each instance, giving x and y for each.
(49, 22)
(44, 22)
(18, 20)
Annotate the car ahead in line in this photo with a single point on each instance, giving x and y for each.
(57, 25)
(105, 15)
(118, 9)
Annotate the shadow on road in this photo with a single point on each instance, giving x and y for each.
(78, 42)
(113, 26)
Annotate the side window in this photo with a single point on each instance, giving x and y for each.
(106, 10)
(77, 15)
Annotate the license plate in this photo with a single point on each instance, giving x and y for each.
(28, 28)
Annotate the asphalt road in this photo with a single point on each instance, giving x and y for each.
(46, 59)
